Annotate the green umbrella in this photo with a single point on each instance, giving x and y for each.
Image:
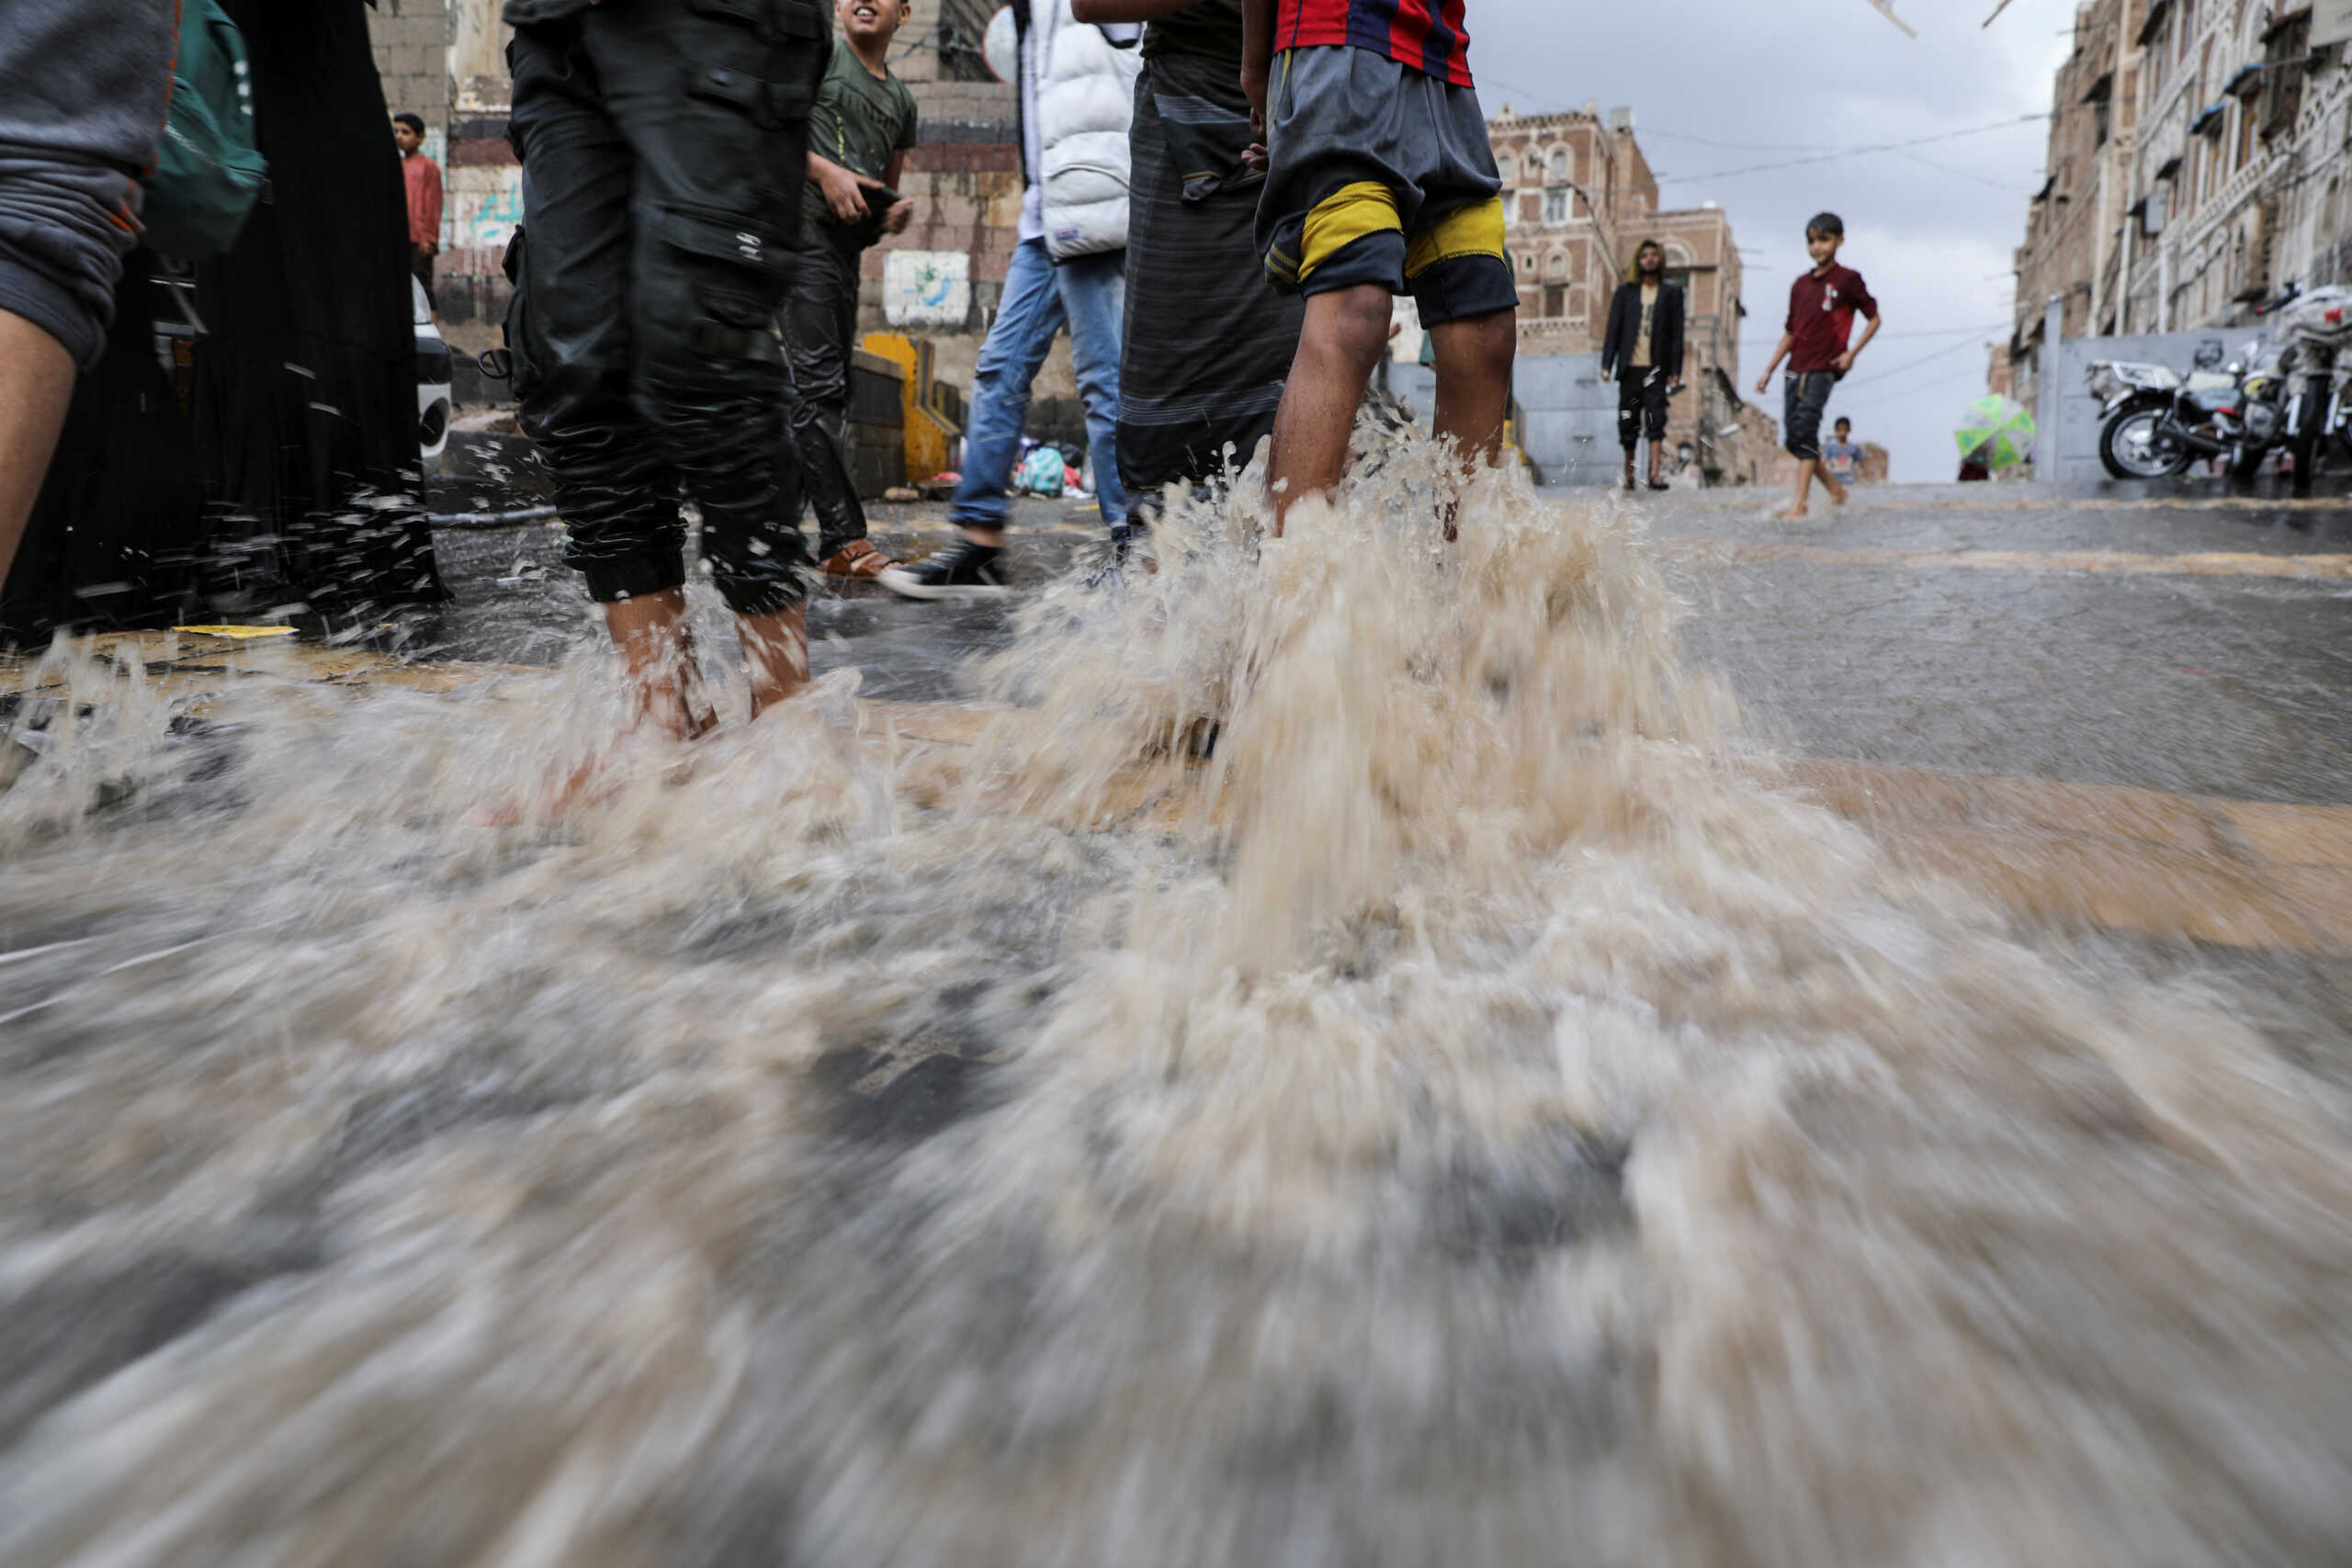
(2000, 426)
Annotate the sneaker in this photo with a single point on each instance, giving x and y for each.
(967, 571)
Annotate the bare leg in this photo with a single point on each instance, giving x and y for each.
(1797, 508)
(1474, 361)
(651, 632)
(776, 648)
(1829, 481)
(1629, 468)
(1345, 331)
(36, 385)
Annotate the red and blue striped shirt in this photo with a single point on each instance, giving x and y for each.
(1427, 35)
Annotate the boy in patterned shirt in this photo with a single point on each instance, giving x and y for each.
(1379, 182)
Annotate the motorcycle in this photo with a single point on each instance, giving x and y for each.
(2155, 421)
(2315, 328)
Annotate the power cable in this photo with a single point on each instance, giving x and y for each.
(1857, 152)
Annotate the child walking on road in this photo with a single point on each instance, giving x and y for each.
(1379, 182)
(1822, 306)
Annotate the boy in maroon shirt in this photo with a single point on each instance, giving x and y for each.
(1822, 306)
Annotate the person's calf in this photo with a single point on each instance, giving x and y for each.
(1338, 346)
(36, 388)
(1474, 365)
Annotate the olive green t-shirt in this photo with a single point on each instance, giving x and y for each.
(860, 120)
(1211, 29)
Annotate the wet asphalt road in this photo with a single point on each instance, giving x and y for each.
(2176, 674)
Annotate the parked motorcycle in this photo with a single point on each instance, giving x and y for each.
(2156, 421)
(2314, 328)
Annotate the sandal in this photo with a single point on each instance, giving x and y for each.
(858, 558)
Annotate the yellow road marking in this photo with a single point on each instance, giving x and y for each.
(2207, 563)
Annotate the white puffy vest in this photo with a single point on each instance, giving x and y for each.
(1085, 98)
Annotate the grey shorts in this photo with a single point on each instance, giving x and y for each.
(1381, 173)
(82, 89)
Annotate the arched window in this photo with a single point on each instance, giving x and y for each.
(1559, 166)
(1507, 170)
(1556, 264)
(1678, 254)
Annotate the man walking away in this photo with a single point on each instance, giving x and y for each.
(1822, 306)
(1379, 182)
(1642, 351)
(1077, 99)
(84, 87)
(663, 148)
(859, 135)
(424, 177)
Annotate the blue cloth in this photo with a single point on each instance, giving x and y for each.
(1087, 294)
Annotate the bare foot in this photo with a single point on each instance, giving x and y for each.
(1791, 513)
(1837, 493)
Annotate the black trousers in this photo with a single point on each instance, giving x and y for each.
(819, 322)
(1641, 406)
(1804, 396)
(663, 150)
(419, 266)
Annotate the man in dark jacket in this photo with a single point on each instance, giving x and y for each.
(1642, 351)
(663, 148)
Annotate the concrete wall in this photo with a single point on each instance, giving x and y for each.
(1568, 415)
(2066, 434)
(411, 40)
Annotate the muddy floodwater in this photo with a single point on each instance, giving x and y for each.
(1482, 1113)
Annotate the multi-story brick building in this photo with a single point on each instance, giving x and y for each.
(1579, 197)
(2200, 158)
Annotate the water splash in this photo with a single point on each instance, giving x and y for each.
(1476, 1116)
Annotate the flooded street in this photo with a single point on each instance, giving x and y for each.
(1652, 1037)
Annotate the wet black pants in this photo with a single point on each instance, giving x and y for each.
(1641, 406)
(663, 146)
(819, 322)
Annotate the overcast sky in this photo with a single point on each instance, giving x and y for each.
(1930, 229)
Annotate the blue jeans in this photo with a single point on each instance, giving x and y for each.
(1039, 297)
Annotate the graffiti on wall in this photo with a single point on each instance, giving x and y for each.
(927, 289)
(483, 204)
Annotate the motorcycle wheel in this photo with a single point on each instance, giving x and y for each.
(2304, 442)
(2131, 449)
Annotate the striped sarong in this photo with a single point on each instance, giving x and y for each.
(1207, 340)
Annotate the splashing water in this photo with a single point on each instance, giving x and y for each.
(1477, 1116)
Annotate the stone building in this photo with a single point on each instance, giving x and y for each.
(2197, 163)
(1579, 197)
(2075, 223)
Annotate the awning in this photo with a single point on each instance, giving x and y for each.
(2283, 20)
(2101, 90)
(2245, 84)
(2170, 167)
(2155, 24)
(2208, 121)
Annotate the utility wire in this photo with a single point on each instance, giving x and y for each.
(1855, 151)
